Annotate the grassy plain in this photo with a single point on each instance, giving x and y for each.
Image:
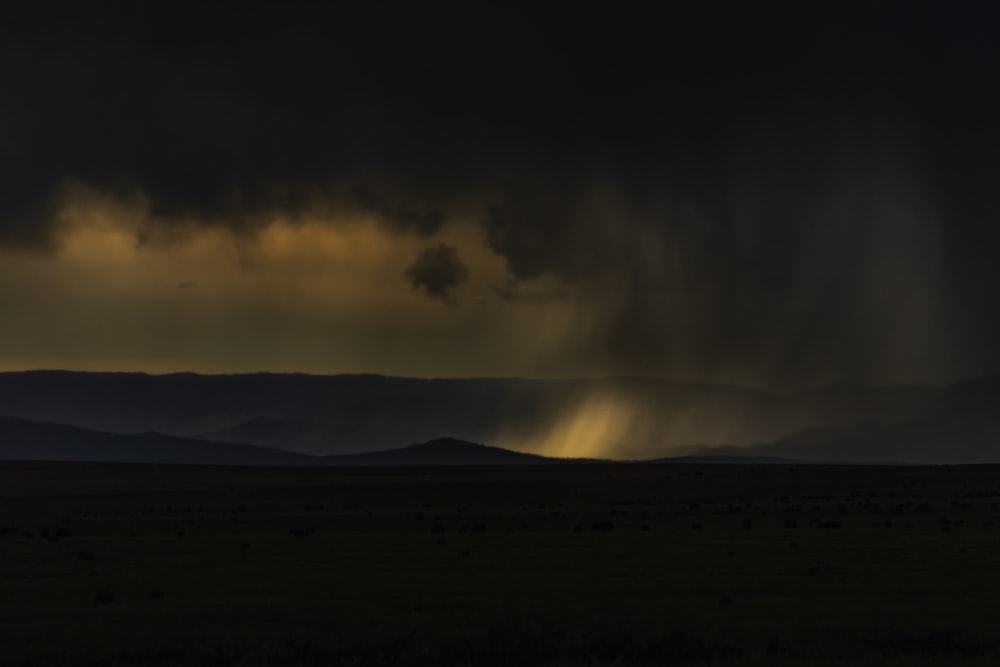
(546, 565)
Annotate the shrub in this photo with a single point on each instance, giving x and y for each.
(104, 596)
(301, 533)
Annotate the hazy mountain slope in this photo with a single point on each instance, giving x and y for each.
(22, 439)
(443, 451)
(961, 425)
(733, 459)
(622, 418)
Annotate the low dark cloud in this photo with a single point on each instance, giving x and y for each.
(516, 291)
(438, 270)
(422, 218)
(729, 185)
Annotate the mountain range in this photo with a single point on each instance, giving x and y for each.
(25, 440)
(960, 425)
(276, 419)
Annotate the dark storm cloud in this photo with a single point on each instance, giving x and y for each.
(720, 179)
(217, 117)
(222, 115)
(515, 291)
(423, 220)
(438, 270)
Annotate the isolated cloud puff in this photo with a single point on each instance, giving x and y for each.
(437, 270)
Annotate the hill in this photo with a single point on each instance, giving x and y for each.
(21, 439)
(637, 418)
(960, 425)
(442, 452)
(25, 440)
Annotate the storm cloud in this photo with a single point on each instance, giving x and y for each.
(438, 270)
(777, 194)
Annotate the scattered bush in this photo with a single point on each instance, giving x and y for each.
(302, 533)
(104, 596)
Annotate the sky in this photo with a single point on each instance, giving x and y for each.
(781, 195)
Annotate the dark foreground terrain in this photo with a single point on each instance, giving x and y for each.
(588, 565)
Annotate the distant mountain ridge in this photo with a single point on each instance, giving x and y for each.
(441, 452)
(24, 440)
(960, 425)
(351, 414)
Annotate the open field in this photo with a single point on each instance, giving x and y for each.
(670, 564)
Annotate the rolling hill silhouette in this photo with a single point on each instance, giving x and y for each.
(247, 419)
(24, 440)
(960, 425)
(443, 452)
(349, 414)
(21, 439)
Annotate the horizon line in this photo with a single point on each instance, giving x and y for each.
(517, 378)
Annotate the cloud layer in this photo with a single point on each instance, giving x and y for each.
(437, 270)
(776, 194)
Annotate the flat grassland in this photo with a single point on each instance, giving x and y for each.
(546, 565)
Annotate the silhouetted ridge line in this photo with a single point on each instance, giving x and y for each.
(22, 439)
(364, 413)
(442, 451)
